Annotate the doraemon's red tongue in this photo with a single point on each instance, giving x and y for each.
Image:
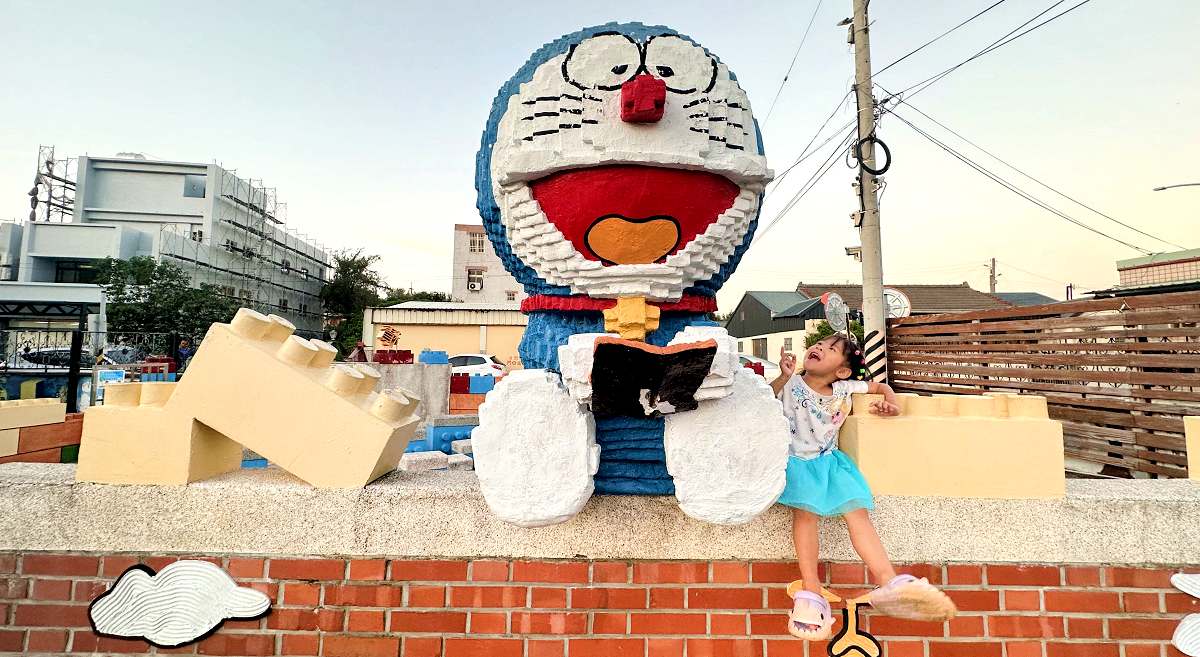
(628, 214)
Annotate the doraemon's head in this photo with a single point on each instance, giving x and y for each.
(621, 160)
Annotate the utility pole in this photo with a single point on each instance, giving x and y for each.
(874, 312)
(992, 277)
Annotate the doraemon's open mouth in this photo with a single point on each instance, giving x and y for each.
(632, 214)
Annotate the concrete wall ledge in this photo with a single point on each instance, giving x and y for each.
(442, 514)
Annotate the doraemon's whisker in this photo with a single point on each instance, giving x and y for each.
(590, 121)
(704, 130)
(538, 115)
(566, 126)
(591, 97)
(695, 102)
(541, 98)
(540, 133)
(716, 118)
(698, 116)
(571, 111)
(716, 138)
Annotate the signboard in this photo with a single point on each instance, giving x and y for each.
(387, 336)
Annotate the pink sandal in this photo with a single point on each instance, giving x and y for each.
(812, 620)
(910, 598)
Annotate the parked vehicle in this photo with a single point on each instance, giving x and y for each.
(58, 358)
(771, 370)
(476, 364)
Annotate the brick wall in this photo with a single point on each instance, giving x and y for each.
(499, 608)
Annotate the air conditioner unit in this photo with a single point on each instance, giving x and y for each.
(474, 286)
(198, 235)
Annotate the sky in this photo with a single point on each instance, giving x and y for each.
(366, 117)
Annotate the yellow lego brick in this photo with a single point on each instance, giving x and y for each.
(274, 392)
(8, 441)
(993, 446)
(1191, 437)
(134, 439)
(18, 413)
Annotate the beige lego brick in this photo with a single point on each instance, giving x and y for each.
(8, 441)
(18, 413)
(274, 392)
(988, 446)
(1191, 433)
(134, 439)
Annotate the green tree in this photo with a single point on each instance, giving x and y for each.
(353, 287)
(147, 296)
(824, 330)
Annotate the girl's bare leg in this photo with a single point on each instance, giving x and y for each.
(804, 536)
(869, 547)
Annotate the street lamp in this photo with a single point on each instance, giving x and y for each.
(1195, 184)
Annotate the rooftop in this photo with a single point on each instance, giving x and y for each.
(1026, 298)
(456, 305)
(1159, 259)
(784, 304)
(925, 298)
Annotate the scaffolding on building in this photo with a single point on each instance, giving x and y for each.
(52, 198)
(251, 255)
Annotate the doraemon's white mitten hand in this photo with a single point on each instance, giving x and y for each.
(575, 363)
(728, 457)
(535, 450)
(719, 382)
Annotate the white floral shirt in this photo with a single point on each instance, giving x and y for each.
(815, 419)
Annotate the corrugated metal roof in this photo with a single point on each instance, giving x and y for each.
(456, 305)
(447, 314)
(779, 302)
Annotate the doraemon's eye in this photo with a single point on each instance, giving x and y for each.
(684, 66)
(605, 61)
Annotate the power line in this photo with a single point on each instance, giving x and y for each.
(1012, 188)
(793, 63)
(939, 37)
(1030, 177)
(822, 169)
(995, 45)
(804, 152)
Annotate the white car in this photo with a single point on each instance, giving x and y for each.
(476, 364)
(771, 371)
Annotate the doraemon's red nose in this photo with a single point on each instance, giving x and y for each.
(643, 99)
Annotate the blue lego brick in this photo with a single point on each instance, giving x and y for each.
(254, 464)
(481, 384)
(439, 438)
(420, 445)
(429, 357)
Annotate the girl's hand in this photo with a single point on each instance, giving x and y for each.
(787, 363)
(885, 408)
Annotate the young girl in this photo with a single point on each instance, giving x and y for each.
(823, 481)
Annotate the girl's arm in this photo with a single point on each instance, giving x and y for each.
(888, 407)
(787, 367)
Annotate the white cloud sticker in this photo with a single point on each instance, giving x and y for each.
(184, 602)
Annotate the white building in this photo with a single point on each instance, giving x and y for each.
(219, 228)
(479, 276)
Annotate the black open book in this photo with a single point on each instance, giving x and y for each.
(636, 379)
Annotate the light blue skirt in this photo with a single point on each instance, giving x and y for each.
(829, 485)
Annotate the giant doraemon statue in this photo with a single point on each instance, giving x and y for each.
(620, 178)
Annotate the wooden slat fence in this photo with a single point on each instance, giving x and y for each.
(1119, 373)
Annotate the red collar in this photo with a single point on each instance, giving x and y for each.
(692, 303)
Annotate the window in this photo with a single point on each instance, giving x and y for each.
(304, 309)
(286, 265)
(759, 347)
(474, 279)
(193, 186)
(741, 347)
(787, 344)
(510, 295)
(246, 294)
(475, 245)
(283, 304)
(457, 361)
(495, 360)
(74, 271)
(474, 360)
(228, 291)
